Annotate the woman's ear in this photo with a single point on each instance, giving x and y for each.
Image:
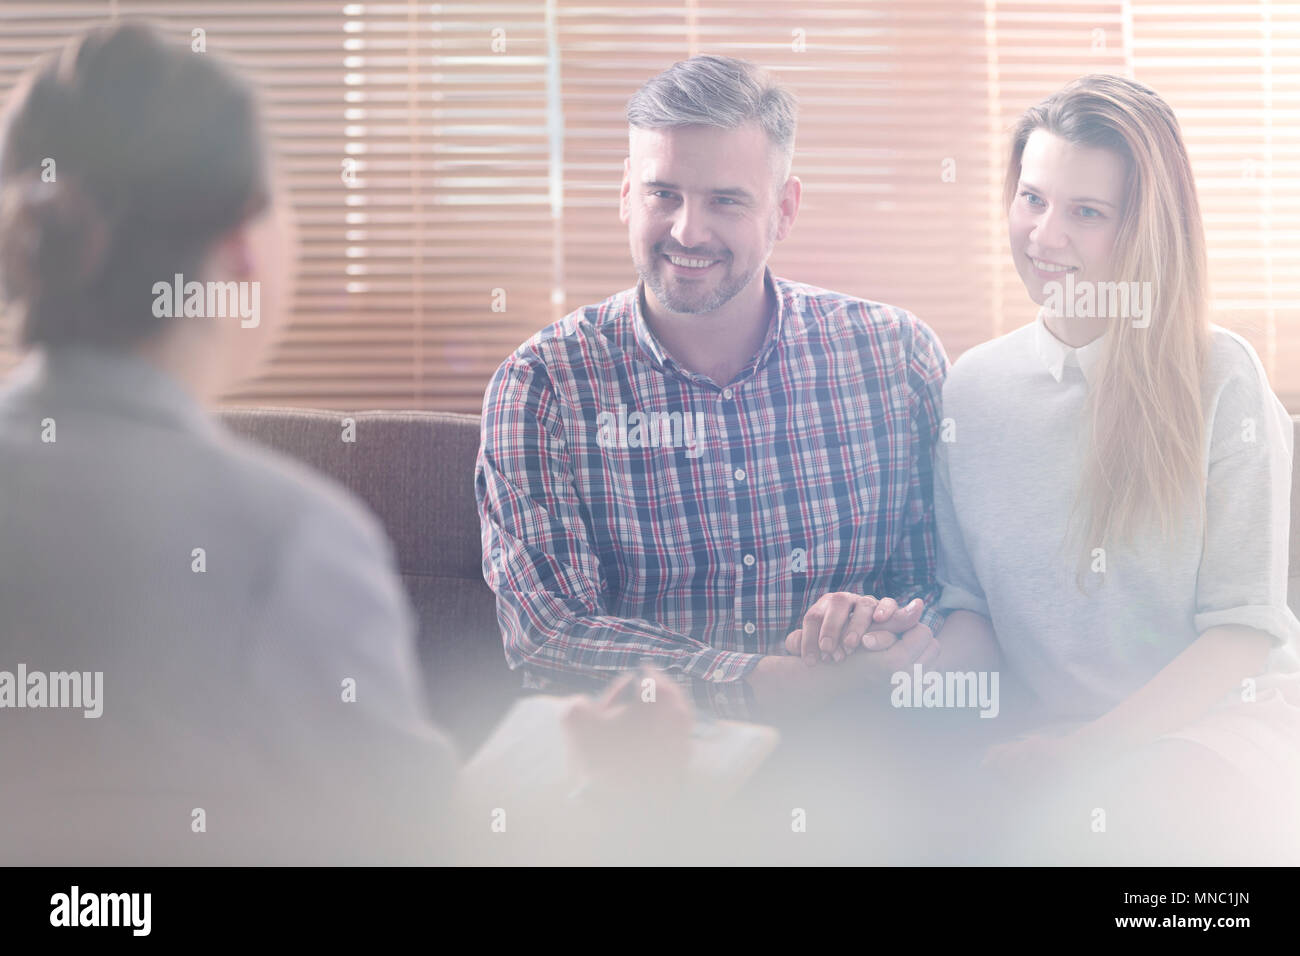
(232, 256)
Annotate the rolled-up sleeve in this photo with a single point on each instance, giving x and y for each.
(1243, 574)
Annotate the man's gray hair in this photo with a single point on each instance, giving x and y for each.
(717, 91)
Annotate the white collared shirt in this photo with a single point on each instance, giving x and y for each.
(1056, 355)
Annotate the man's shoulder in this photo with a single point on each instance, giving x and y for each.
(563, 357)
(827, 307)
(602, 324)
(845, 318)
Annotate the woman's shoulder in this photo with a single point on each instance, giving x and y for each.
(1232, 356)
(989, 363)
(279, 501)
(1238, 396)
(1234, 369)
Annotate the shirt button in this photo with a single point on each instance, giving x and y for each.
(718, 675)
(740, 474)
(728, 393)
(749, 627)
(749, 560)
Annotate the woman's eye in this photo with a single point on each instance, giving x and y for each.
(1031, 198)
(1089, 213)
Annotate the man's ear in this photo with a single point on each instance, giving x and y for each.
(625, 194)
(791, 193)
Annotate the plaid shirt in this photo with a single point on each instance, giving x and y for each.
(634, 512)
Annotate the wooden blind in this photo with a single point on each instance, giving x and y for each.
(454, 167)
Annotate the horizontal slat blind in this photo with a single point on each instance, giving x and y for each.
(454, 168)
(1231, 71)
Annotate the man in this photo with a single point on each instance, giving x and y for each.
(718, 462)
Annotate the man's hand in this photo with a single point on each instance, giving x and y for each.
(784, 683)
(841, 622)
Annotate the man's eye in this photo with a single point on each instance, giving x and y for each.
(662, 194)
(727, 199)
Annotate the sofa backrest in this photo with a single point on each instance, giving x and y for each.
(416, 471)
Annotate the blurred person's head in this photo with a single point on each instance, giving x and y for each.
(707, 189)
(126, 161)
(1099, 183)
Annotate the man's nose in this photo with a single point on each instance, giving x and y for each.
(690, 228)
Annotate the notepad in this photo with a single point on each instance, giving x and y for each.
(529, 753)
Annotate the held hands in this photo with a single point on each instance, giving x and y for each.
(841, 622)
(834, 629)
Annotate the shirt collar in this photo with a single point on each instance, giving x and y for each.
(789, 323)
(1056, 355)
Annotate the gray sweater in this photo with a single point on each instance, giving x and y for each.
(221, 690)
(1007, 471)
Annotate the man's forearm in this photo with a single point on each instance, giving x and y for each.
(786, 686)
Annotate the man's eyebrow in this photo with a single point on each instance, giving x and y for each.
(1097, 202)
(730, 191)
(734, 191)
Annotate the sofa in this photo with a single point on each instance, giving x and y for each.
(416, 472)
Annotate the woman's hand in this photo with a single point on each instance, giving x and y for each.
(1033, 760)
(840, 622)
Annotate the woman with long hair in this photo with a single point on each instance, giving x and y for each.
(1112, 501)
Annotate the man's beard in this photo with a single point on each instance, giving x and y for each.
(690, 298)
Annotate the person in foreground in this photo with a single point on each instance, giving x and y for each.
(1113, 509)
(238, 676)
(715, 462)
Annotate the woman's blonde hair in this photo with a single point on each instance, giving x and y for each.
(1144, 463)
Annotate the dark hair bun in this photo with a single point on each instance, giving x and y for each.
(159, 152)
(53, 237)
